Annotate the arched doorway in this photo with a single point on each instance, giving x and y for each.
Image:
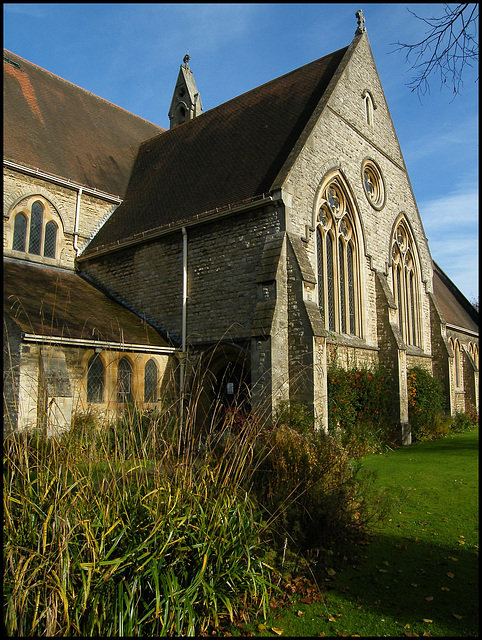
(224, 386)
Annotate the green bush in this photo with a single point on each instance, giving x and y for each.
(360, 405)
(426, 404)
(310, 487)
(464, 421)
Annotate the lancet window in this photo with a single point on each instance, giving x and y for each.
(33, 231)
(405, 280)
(124, 381)
(337, 261)
(150, 381)
(95, 379)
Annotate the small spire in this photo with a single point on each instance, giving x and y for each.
(361, 23)
(186, 59)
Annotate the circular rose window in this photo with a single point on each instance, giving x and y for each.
(373, 184)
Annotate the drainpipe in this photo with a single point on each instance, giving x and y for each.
(76, 224)
(183, 331)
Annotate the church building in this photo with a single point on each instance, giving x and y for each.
(229, 259)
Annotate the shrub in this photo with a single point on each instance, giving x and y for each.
(310, 487)
(294, 415)
(360, 408)
(464, 421)
(426, 404)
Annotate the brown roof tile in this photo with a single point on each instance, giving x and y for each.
(54, 302)
(455, 308)
(64, 130)
(225, 156)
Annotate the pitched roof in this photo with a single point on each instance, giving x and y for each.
(228, 155)
(64, 130)
(54, 302)
(454, 306)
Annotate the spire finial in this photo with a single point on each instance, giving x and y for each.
(186, 59)
(361, 23)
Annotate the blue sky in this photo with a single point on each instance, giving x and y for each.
(130, 54)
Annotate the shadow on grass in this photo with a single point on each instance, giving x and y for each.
(456, 444)
(406, 580)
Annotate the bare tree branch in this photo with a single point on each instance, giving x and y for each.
(451, 43)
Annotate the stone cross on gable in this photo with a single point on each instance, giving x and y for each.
(361, 22)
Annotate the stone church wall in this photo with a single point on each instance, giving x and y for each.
(351, 141)
(223, 259)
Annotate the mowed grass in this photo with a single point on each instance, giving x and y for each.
(418, 574)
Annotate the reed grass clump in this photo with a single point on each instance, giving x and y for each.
(143, 526)
(100, 539)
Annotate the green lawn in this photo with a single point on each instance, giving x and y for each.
(418, 575)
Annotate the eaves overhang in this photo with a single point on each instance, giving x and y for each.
(98, 344)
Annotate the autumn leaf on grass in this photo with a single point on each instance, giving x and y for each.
(331, 618)
(427, 620)
(277, 631)
(429, 598)
(456, 616)
(444, 589)
(331, 572)
(300, 613)
(450, 575)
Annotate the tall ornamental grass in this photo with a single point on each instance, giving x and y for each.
(100, 540)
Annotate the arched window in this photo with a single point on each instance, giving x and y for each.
(150, 381)
(337, 261)
(95, 379)
(369, 107)
(50, 239)
(124, 381)
(457, 364)
(36, 224)
(405, 284)
(474, 352)
(20, 232)
(34, 228)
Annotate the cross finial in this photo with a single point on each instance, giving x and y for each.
(361, 23)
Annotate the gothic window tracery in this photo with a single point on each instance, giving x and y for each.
(405, 284)
(373, 184)
(337, 261)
